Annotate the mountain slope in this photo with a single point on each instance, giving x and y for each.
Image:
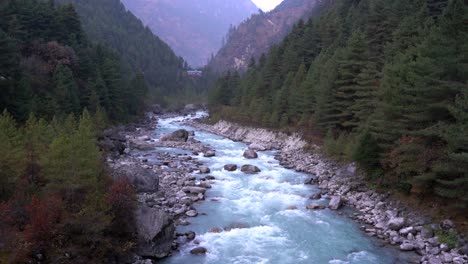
(254, 36)
(389, 95)
(194, 28)
(109, 23)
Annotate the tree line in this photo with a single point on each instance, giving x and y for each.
(386, 82)
(58, 91)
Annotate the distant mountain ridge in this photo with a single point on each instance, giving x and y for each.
(193, 28)
(256, 35)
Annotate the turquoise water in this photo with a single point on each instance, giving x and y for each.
(271, 233)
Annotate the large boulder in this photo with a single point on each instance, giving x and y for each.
(209, 153)
(180, 135)
(335, 203)
(230, 167)
(250, 169)
(250, 154)
(155, 231)
(144, 180)
(396, 223)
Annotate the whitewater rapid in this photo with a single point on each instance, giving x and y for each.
(265, 215)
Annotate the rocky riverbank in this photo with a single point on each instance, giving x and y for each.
(378, 215)
(164, 181)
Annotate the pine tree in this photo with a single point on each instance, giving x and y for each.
(66, 90)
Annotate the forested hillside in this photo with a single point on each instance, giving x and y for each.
(57, 205)
(385, 81)
(257, 34)
(109, 23)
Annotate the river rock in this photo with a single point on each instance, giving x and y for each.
(447, 224)
(316, 196)
(250, 154)
(209, 153)
(407, 246)
(191, 213)
(198, 251)
(315, 206)
(210, 177)
(204, 170)
(155, 231)
(194, 189)
(230, 167)
(335, 203)
(250, 169)
(144, 180)
(180, 135)
(257, 147)
(396, 223)
(427, 232)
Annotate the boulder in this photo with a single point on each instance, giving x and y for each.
(316, 196)
(180, 135)
(250, 154)
(257, 147)
(335, 202)
(230, 167)
(155, 231)
(427, 232)
(198, 251)
(191, 213)
(210, 177)
(204, 170)
(209, 153)
(144, 180)
(250, 169)
(447, 224)
(315, 206)
(396, 223)
(407, 246)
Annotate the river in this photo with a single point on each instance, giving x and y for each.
(272, 231)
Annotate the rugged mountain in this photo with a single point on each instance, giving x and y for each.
(109, 23)
(193, 28)
(256, 35)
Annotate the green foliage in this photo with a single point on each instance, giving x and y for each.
(447, 237)
(385, 78)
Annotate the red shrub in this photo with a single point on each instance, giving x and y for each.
(121, 195)
(44, 215)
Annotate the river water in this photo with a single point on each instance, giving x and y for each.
(271, 233)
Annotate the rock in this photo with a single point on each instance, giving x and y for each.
(194, 189)
(447, 224)
(190, 235)
(447, 257)
(210, 177)
(191, 213)
(396, 223)
(292, 207)
(316, 196)
(463, 250)
(250, 169)
(155, 231)
(144, 180)
(215, 230)
(198, 251)
(209, 153)
(407, 246)
(335, 203)
(315, 206)
(204, 170)
(434, 260)
(257, 147)
(427, 232)
(180, 135)
(230, 167)
(250, 154)
(407, 230)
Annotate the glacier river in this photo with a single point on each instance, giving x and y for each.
(271, 233)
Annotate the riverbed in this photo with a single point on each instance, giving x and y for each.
(262, 218)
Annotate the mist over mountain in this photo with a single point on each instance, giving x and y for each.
(256, 35)
(193, 28)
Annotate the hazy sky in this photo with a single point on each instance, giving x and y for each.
(267, 5)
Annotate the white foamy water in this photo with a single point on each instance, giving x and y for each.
(270, 233)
